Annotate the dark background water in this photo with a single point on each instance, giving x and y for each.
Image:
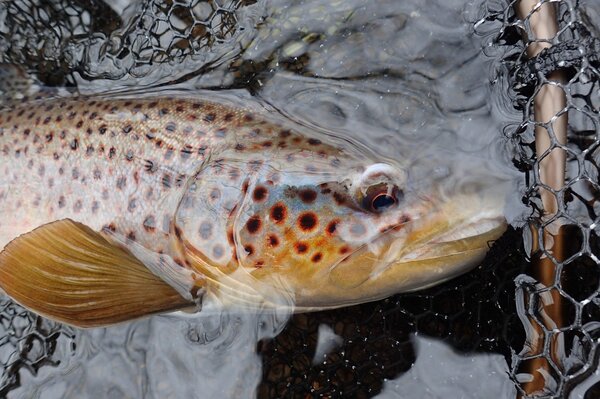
(410, 80)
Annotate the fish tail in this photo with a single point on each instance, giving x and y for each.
(70, 273)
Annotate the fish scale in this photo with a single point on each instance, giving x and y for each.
(112, 164)
(121, 208)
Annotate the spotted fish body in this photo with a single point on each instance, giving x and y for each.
(252, 209)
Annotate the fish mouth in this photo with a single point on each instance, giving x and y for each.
(461, 238)
(432, 248)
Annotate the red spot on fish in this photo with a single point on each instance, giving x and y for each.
(317, 257)
(301, 247)
(278, 213)
(308, 195)
(260, 194)
(253, 224)
(332, 226)
(307, 221)
(273, 240)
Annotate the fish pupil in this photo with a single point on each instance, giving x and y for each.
(382, 202)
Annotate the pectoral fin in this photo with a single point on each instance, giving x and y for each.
(68, 272)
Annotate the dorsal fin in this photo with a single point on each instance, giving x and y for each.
(68, 272)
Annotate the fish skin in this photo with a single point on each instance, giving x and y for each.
(183, 178)
(121, 165)
(112, 164)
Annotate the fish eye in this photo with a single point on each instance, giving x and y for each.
(381, 197)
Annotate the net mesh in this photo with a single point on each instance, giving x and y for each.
(59, 40)
(27, 343)
(558, 298)
(547, 328)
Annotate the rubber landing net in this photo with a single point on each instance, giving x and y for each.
(557, 298)
(547, 329)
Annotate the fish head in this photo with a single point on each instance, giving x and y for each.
(330, 229)
(313, 222)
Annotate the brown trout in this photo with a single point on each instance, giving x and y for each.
(112, 209)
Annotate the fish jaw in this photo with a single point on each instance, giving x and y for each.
(430, 264)
(441, 239)
(435, 247)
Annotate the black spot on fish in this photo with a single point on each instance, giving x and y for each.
(301, 247)
(332, 227)
(150, 166)
(278, 213)
(253, 224)
(186, 151)
(273, 240)
(121, 182)
(259, 194)
(166, 180)
(307, 221)
(308, 195)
